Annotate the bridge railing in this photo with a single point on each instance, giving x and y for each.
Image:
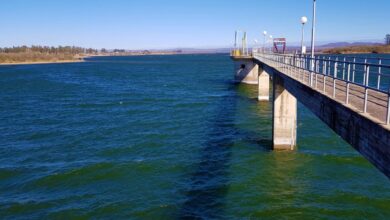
(368, 73)
(240, 52)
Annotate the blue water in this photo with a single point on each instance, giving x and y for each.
(167, 137)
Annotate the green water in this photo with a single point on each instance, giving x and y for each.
(167, 137)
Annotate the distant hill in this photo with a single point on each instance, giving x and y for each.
(347, 44)
(358, 49)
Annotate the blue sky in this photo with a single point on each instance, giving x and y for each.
(147, 24)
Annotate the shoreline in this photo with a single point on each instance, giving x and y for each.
(42, 62)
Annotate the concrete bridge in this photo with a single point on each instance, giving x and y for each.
(349, 94)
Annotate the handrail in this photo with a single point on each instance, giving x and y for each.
(317, 57)
(330, 69)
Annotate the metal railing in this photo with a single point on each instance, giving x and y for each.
(367, 74)
(241, 52)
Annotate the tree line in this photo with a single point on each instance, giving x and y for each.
(50, 50)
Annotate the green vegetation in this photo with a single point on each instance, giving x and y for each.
(31, 54)
(359, 49)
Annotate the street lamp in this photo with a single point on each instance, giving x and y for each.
(265, 35)
(270, 40)
(303, 22)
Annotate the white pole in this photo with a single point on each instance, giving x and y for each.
(303, 34)
(313, 33)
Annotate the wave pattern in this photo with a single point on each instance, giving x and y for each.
(166, 137)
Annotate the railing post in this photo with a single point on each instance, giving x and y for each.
(311, 72)
(353, 69)
(366, 87)
(365, 70)
(388, 107)
(379, 74)
(344, 67)
(347, 90)
(324, 68)
(334, 79)
(367, 75)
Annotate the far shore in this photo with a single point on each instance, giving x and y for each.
(364, 49)
(43, 62)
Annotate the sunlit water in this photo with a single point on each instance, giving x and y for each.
(167, 137)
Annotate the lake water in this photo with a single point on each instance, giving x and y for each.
(167, 137)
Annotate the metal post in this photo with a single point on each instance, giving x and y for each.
(347, 92)
(334, 79)
(311, 72)
(303, 35)
(353, 69)
(344, 68)
(379, 74)
(366, 88)
(367, 75)
(324, 68)
(388, 108)
(364, 75)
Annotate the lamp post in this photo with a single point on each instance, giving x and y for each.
(270, 40)
(303, 22)
(265, 35)
(313, 35)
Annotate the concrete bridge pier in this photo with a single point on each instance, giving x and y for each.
(246, 71)
(284, 116)
(263, 85)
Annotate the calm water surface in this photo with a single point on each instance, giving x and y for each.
(167, 137)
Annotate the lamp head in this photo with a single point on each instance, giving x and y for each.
(303, 20)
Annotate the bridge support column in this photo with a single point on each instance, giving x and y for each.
(246, 71)
(284, 116)
(263, 85)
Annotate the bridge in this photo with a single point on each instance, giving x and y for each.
(349, 94)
